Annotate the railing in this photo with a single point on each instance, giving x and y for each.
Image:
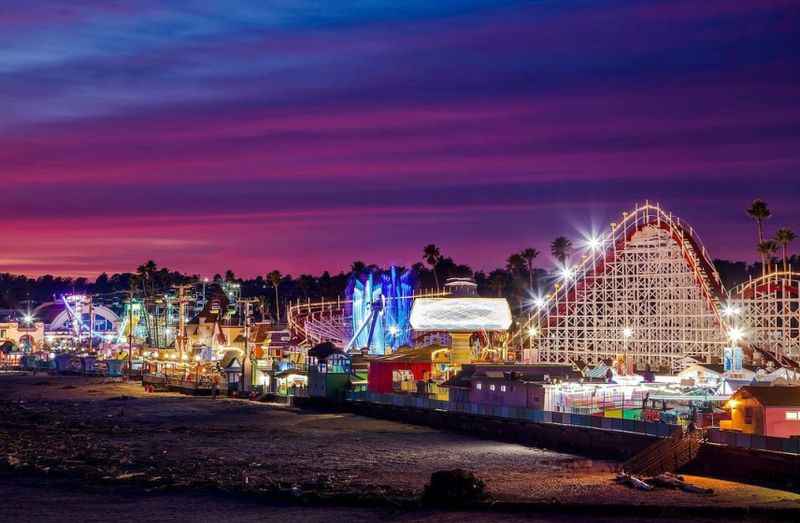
(754, 441)
(661, 430)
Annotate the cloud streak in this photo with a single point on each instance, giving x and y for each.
(254, 136)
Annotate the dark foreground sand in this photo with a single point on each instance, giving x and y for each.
(171, 450)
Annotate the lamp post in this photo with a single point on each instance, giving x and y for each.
(627, 334)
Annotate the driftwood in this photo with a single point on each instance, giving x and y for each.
(665, 480)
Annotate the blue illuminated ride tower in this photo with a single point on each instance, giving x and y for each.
(380, 309)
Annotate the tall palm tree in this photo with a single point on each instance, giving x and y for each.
(759, 212)
(357, 267)
(784, 237)
(515, 263)
(146, 272)
(767, 249)
(561, 248)
(497, 281)
(432, 256)
(274, 278)
(529, 255)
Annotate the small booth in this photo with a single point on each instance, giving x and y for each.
(291, 382)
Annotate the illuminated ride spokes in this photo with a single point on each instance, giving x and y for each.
(768, 310)
(646, 291)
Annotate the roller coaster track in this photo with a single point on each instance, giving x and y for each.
(648, 259)
(326, 320)
(768, 310)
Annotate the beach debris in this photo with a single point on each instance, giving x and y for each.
(454, 487)
(666, 480)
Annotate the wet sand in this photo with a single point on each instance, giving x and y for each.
(114, 434)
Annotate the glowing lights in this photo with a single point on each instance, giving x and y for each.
(627, 333)
(394, 330)
(28, 319)
(593, 243)
(736, 334)
(567, 273)
(460, 314)
(729, 310)
(533, 332)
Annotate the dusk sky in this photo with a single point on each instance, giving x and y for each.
(303, 135)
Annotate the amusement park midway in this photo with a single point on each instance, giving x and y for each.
(638, 370)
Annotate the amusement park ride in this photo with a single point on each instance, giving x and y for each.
(646, 293)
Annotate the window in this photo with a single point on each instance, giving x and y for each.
(491, 388)
(748, 415)
(502, 388)
(478, 386)
(793, 416)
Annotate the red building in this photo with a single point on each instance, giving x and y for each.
(400, 372)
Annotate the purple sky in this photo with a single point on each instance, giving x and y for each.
(255, 135)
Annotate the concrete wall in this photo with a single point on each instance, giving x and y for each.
(592, 442)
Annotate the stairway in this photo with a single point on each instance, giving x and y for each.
(665, 455)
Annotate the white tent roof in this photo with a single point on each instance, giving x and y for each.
(460, 314)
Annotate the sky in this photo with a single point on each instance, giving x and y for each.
(303, 135)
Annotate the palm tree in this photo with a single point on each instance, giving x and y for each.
(432, 257)
(767, 249)
(515, 263)
(784, 237)
(274, 278)
(561, 248)
(497, 281)
(146, 272)
(529, 255)
(759, 211)
(357, 267)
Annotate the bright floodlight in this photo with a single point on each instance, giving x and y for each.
(460, 314)
(540, 302)
(729, 310)
(594, 243)
(394, 330)
(567, 273)
(28, 318)
(627, 332)
(736, 334)
(533, 332)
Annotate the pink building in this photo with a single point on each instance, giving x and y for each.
(765, 410)
(507, 385)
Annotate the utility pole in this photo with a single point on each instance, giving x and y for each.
(90, 299)
(180, 339)
(130, 334)
(246, 303)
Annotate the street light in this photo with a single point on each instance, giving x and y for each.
(736, 334)
(593, 243)
(730, 310)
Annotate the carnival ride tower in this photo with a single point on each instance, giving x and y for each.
(379, 306)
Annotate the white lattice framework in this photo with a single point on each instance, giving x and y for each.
(316, 322)
(646, 291)
(768, 311)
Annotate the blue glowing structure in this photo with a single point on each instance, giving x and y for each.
(380, 309)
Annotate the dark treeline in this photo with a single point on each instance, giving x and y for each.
(512, 282)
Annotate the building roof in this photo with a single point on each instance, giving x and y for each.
(407, 355)
(460, 314)
(512, 372)
(323, 350)
(772, 396)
